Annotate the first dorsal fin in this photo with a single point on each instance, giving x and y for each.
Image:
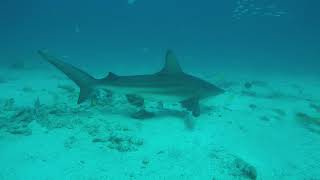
(171, 65)
(111, 76)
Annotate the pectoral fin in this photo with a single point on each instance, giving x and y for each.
(84, 94)
(192, 104)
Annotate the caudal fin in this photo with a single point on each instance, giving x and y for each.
(81, 78)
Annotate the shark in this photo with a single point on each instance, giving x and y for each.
(170, 84)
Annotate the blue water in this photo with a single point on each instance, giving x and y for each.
(95, 29)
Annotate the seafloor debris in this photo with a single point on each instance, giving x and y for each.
(142, 114)
(315, 107)
(145, 162)
(259, 83)
(309, 122)
(279, 112)
(58, 116)
(231, 166)
(174, 153)
(70, 142)
(123, 142)
(255, 83)
(17, 121)
(265, 118)
(54, 116)
(8, 104)
(252, 106)
(99, 140)
(243, 169)
(102, 97)
(113, 135)
(276, 95)
(272, 95)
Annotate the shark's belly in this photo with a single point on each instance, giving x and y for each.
(161, 97)
(155, 94)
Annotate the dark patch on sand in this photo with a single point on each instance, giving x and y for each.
(279, 112)
(309, 122)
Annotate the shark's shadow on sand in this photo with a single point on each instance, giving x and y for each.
(170, 84)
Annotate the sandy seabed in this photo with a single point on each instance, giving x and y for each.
(261, 128)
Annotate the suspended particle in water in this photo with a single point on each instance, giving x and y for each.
(131, 2)
(77, 28)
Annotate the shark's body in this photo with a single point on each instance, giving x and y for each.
(170, 84)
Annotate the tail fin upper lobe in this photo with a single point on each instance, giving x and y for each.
(85, 81)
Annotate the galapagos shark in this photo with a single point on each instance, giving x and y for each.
(171, 83)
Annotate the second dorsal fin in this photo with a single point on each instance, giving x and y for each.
(171, 65)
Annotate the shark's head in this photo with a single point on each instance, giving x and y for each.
(209, 90)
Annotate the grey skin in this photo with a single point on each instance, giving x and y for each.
(170, 84)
